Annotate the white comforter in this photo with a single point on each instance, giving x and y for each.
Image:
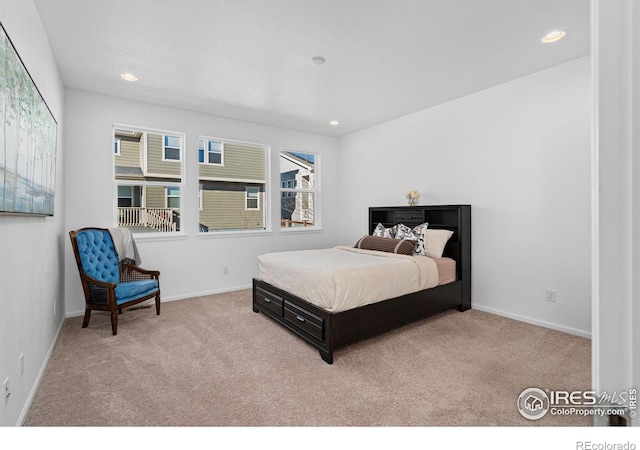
(342, 278)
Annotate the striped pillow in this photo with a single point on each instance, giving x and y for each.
(400, 246)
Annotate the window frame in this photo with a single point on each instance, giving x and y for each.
(292, 192)
(159, 182)
(264, 185)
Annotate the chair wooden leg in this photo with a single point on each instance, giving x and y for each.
(114, 322)
(158, 304)
(87, 316)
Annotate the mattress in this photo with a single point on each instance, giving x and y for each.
(342, 278)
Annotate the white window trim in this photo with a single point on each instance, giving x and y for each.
(317, 227)
(266, 207)
(181, 183)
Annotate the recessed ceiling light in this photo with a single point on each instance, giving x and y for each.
(334, 123)
(128, 77)
(553, 36)
(317, 60)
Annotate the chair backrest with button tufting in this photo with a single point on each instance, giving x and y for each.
(98, 255)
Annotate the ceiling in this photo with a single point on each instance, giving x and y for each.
(251, 59)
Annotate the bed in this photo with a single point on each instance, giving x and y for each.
(358, 299)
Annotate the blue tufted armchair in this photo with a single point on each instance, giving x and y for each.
(108, 283)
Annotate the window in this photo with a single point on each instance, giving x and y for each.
(232, 195)
(129, 196)
(210, 151)
(116, 146)
(252, 198)
(148, 180)
(171, 147)
(287, 184)
(298, 189)
(173, 197)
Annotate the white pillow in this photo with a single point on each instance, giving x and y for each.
(420, 244)
(379, 230)
(435, 240)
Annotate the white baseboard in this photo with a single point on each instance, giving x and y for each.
(36, 384)
(202, 294)
(177, 297)
(541, 323)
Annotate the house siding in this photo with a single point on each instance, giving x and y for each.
(129, 153)
(155, 164)
(241, 162)
(225, 210)
(155, 197)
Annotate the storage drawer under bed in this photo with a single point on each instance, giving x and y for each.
(304, 320)
(269, 301)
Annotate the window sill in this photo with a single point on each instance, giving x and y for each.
(151, 237)
(222, 234)
(295, 230)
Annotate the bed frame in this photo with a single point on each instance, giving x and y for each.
(329, 331)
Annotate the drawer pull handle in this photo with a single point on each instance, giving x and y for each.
(267, 300)
(301, 319)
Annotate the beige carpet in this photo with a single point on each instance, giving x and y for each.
(212, 361)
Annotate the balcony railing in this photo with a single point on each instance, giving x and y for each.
(159, 219)
(288, 223)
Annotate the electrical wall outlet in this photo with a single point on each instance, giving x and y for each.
(225, 270)
(551, 295)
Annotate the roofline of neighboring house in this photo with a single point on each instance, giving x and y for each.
(296, 160)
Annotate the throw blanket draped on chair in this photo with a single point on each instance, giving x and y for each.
(125, 245)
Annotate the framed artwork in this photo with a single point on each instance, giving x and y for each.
(28, 137)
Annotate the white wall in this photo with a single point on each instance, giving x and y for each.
(191, 265)
(31, 248)
(519, 153)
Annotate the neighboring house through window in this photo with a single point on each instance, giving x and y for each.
(233, 180)
(298, 189)
(148, 178)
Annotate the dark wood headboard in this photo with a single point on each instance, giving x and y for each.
(456, 218)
